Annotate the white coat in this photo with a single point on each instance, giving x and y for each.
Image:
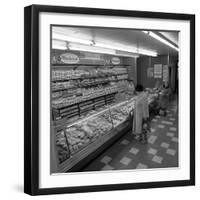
(141, 111)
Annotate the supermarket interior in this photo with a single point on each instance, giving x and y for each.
(114, 99)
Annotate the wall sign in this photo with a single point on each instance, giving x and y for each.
(158, 71)
(150, 72)
(69, 58)
(91, 56)
(115, 60)
(165, 73)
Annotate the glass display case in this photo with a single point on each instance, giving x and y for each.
(79, 139)
(119, 113)
(88, 130)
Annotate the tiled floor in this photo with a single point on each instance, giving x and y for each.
(160, 152)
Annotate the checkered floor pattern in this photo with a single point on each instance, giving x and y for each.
(160, 152)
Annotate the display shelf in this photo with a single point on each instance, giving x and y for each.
(62, 105)
(81, 86)
(86, 77)
(97, 113)
(63, 121)
(90, 84)
(92, 113)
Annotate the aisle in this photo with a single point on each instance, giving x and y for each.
(160, 152)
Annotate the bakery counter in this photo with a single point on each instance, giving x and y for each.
(80, 159)
(81, 141)
(87, 136)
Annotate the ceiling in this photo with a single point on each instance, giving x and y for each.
(173, 36)
(127, 37)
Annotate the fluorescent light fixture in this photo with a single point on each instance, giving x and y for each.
(93, 49)
(157, 37)
(57, 44)
(126, 54)
(147, 52)
(59, 36)
(127, 49)
(145, 32)
(117, 47)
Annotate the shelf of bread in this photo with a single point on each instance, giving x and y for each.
(60, 75)
(77, 111)
(101, 111)
(59, 88)
(66, 115)
(86, 94)
(73, 84)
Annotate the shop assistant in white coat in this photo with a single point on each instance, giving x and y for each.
(141, 114)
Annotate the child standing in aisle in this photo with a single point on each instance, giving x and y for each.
(141, 115)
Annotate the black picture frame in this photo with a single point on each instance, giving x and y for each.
(31, 98)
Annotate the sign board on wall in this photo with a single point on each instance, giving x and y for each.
(150, 72)
(91, 56)
(115, 60)
(157, 70)
(165, 73)
(80, 57)
(69, 58)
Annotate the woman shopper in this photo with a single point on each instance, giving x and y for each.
(141, 115)
(164, 98)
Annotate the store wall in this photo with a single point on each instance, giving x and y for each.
(132, 68)
(173, 63)
(145, 62)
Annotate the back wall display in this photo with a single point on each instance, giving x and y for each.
(144, 62)
(165, 73)
(158, 71)
(150, 72)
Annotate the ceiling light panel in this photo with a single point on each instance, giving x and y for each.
(127, 49)
(94, 49)
(157, 37)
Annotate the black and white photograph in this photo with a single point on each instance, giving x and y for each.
(114, 99)
(109, 100)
